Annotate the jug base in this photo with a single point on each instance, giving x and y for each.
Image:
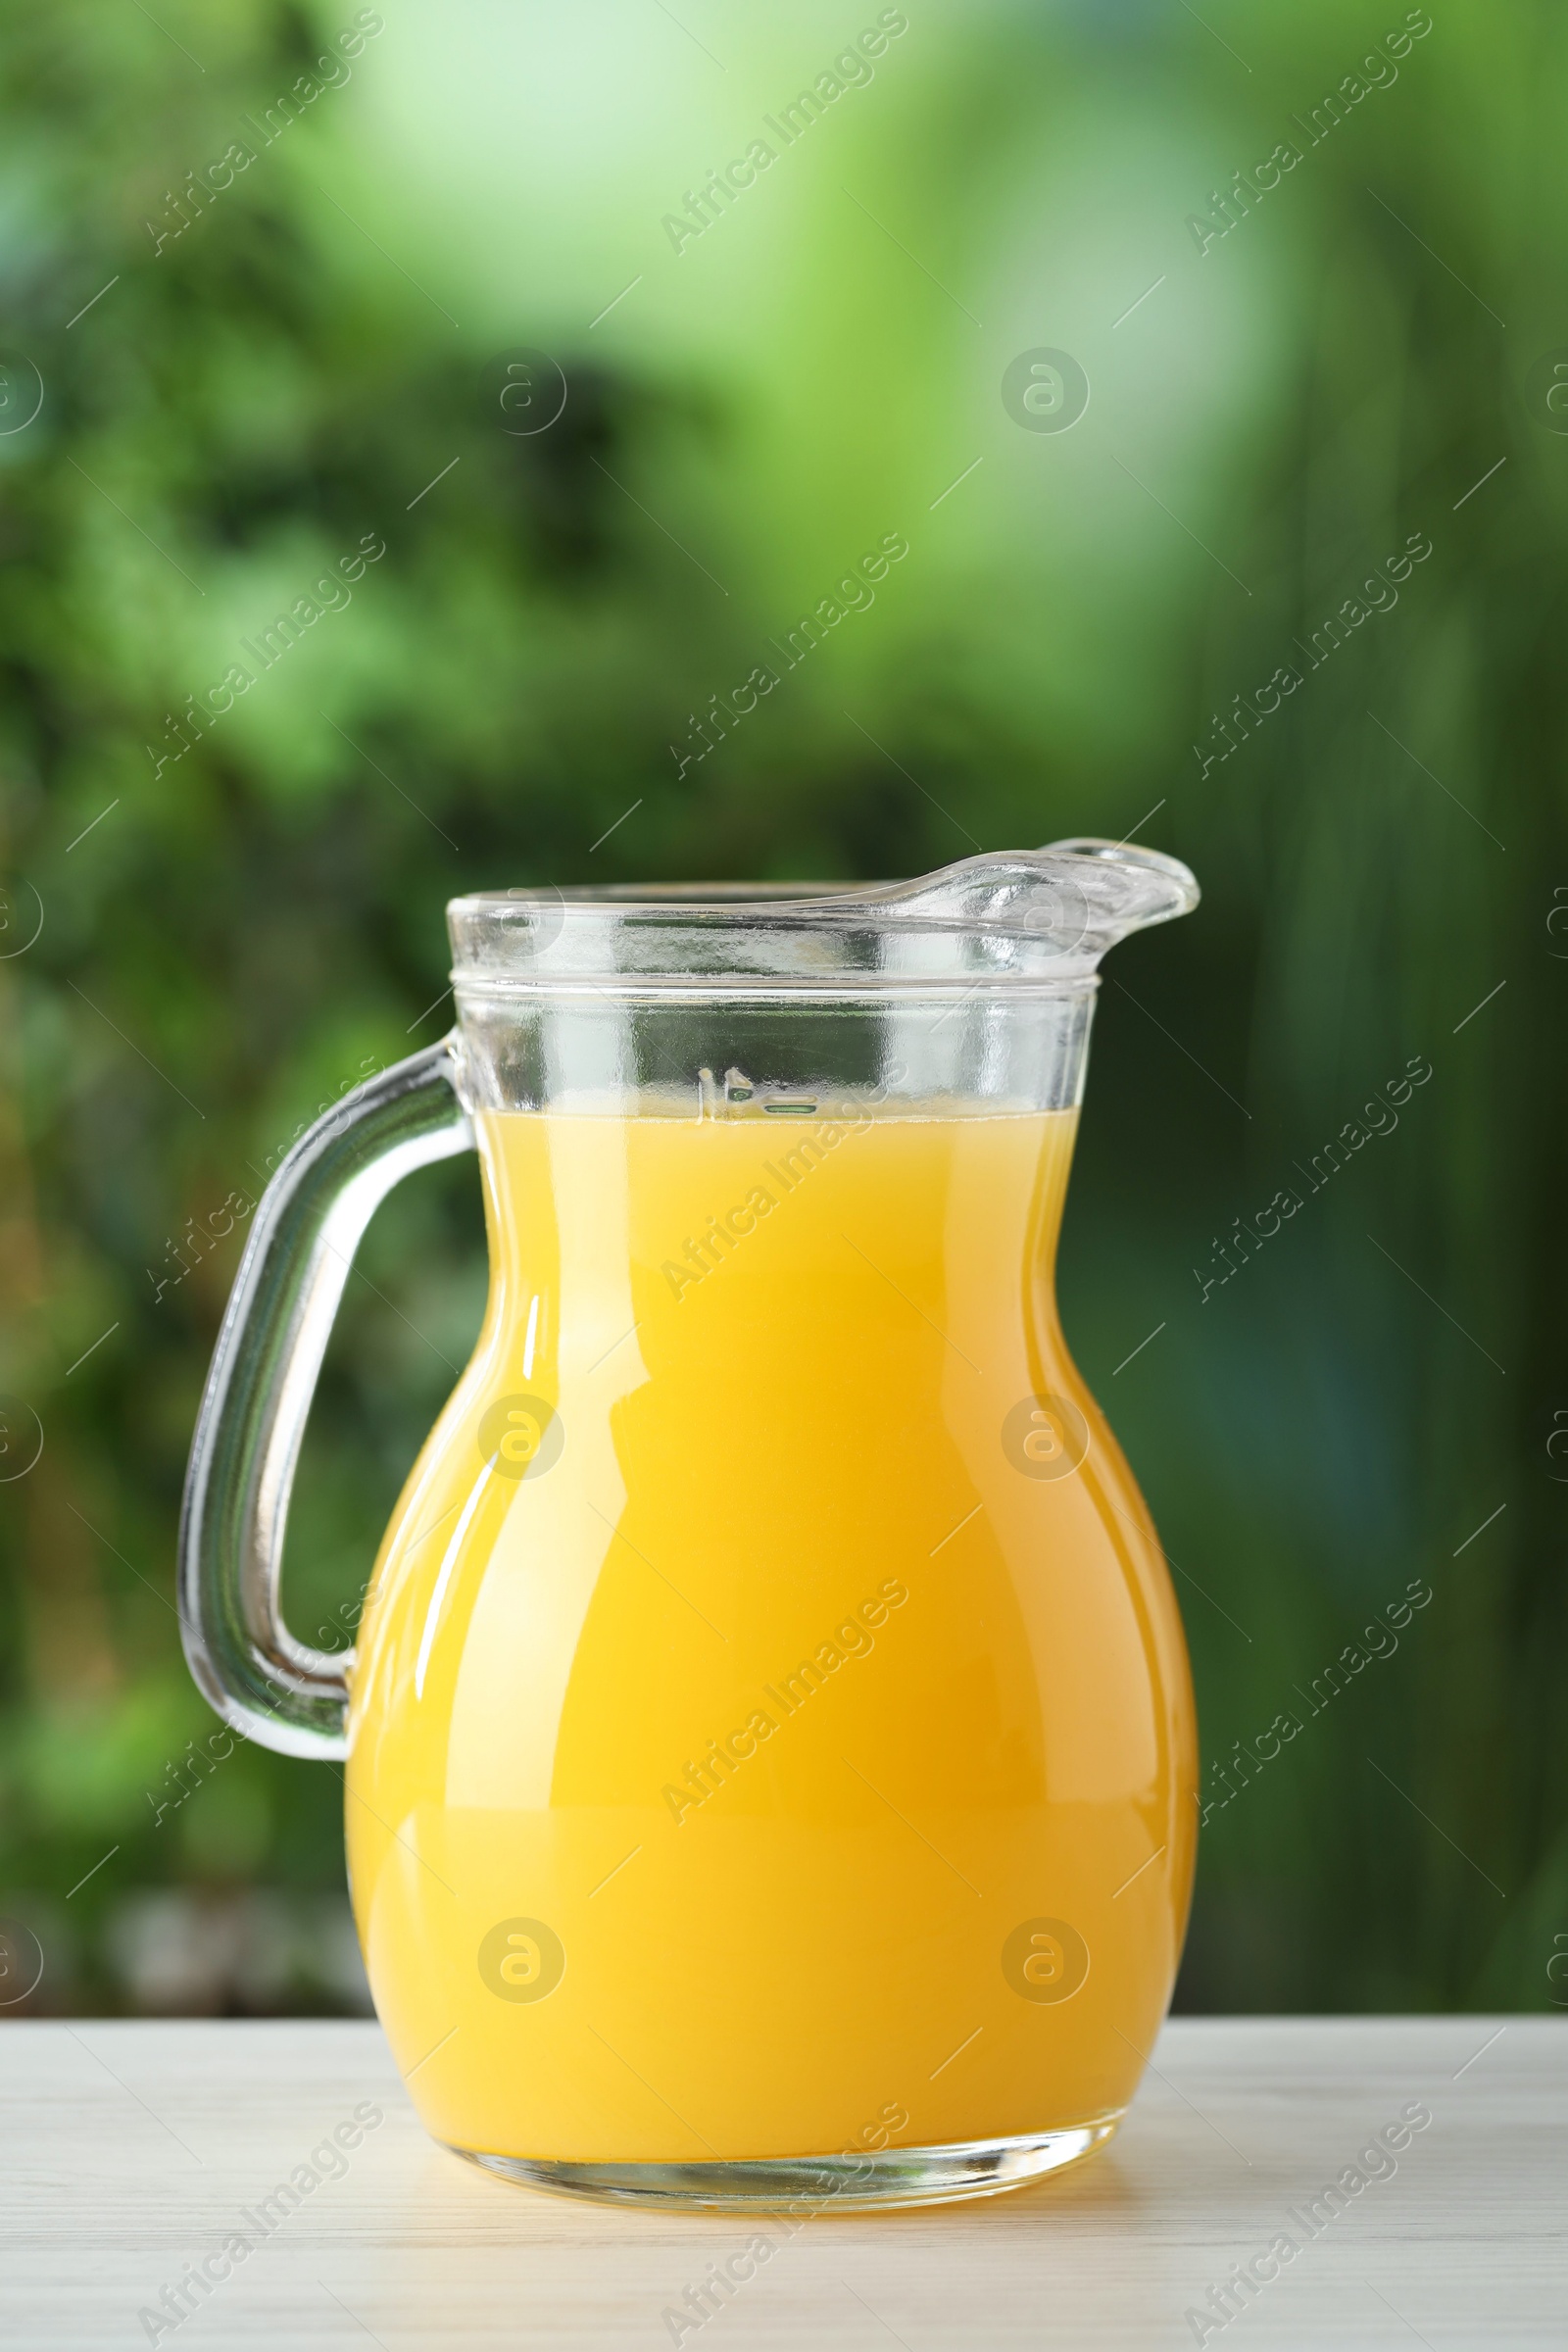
(971, 2167)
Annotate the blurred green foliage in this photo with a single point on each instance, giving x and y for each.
(231, 936)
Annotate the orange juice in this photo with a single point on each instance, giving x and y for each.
(771, 1733)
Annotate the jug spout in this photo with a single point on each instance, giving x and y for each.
(1068, 901)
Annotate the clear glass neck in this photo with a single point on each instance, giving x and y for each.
(968, 991)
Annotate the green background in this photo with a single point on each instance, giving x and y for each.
(1273, 412)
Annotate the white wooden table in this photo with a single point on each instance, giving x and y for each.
(130, 2150)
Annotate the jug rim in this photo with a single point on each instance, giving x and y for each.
(1042, 916)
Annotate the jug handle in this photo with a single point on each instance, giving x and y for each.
(308, 1225)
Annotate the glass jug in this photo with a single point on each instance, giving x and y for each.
(769, 1747)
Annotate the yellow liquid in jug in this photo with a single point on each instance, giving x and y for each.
(768, 1738)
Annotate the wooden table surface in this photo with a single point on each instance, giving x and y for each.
(129, 2150)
